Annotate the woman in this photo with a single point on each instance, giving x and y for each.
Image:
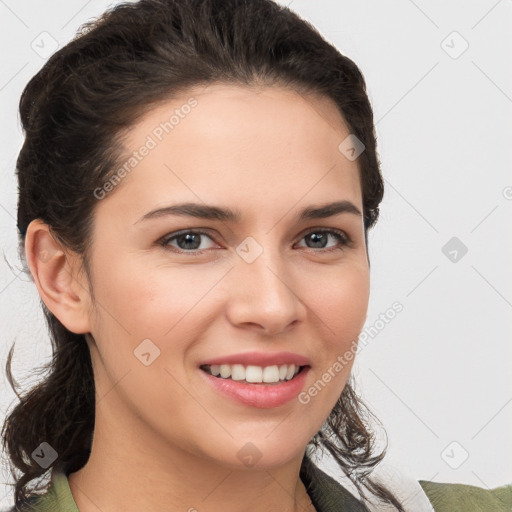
(197, 183)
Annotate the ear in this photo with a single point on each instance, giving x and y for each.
(55, 270)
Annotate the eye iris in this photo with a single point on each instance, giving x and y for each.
(188, 237)
(315, 237)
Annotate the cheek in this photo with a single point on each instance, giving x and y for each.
(341, 308)
(342, 303)
(154, 300)
(152, 315)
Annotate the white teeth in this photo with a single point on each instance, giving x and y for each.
(237, 372)
(291, 371)
(225, 371)
(255, 374)
(271, 374)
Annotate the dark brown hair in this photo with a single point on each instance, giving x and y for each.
(74, 112)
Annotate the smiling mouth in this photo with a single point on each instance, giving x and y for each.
(251, 374)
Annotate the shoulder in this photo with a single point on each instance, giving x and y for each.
(34, 504)
(57, 498)
(31, 505)
(447, 497)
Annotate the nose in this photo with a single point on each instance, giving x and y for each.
(264, 296)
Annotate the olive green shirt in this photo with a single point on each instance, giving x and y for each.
(326, 494)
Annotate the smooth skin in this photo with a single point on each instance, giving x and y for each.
(164, 439)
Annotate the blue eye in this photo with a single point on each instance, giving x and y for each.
(189, 241)
(319, 237)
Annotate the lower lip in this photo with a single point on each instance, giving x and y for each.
(263, 396)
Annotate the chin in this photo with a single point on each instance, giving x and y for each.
(254, 454)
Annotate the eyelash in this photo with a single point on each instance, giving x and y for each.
(342, 237)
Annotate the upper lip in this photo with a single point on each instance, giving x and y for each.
(260, 359)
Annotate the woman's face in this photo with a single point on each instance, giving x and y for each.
(267, 289)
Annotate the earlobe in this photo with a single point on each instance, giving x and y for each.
(54, 269)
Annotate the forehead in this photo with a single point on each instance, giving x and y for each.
(246, 144)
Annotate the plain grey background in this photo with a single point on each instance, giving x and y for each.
(440, 81)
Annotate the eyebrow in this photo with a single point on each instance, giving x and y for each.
(202, 211)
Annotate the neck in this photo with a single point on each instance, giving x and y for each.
(137, 470)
